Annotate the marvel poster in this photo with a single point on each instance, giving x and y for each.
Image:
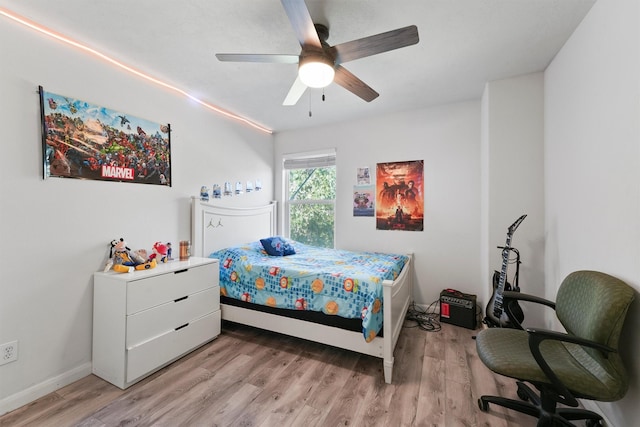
(82, 140)
(400, 196)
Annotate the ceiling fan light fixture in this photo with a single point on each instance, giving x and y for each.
(316, 71)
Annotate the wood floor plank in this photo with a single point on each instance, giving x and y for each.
(150, 401)
(455, 355)
(249, 377)
(484, 382)
(338, 367)
(231, 409)
(374, 411)
(349, 400)
(36, 410)
(431, 402)
(409, 360)
(275, 386)
(213, 404)
(301, 385)
(309, 417)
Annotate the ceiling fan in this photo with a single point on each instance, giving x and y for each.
(320, 64)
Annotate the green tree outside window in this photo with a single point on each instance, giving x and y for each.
(311, 200)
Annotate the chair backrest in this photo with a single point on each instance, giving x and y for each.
(593, 305)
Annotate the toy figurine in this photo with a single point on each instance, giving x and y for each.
(169, 251)
(159, 252)
(123, 260)
(204, 193)
(217, 192)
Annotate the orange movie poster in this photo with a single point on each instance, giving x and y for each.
(400, 196)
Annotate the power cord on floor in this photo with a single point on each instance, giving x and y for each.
(426, 319)
(479, 315)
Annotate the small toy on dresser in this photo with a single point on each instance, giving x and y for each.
(160, 252)
(124, 260)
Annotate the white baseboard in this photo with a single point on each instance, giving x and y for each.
(35, 392)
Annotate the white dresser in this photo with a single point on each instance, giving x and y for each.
(144, 320)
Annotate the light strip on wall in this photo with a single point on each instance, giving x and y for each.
(131, 70)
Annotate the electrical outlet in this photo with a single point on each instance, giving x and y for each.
(8, 352)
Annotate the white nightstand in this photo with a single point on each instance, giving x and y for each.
(145, 320)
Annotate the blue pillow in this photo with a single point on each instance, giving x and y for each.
(277, 246)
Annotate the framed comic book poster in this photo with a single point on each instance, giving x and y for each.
(87, 141)
(400, 196)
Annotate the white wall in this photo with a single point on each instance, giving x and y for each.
(56, 231)
(592, 158)
(512, 180)
(447, 138)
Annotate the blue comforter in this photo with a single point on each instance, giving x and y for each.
(335, 282)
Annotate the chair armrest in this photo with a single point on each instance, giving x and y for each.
(529, 298)
(543, 334)
(536, 336)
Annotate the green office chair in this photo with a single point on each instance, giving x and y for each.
(582, 363)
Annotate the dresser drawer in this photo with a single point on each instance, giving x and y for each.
(162, 350)
(148, 324)
(155, 290)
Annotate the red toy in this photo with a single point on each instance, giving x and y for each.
(160, 252)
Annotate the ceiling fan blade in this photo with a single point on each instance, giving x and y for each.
(301, 22)
(296, 91)
(372, 45)
(252, 57)
(354, 85)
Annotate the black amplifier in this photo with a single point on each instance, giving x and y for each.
(458, 308)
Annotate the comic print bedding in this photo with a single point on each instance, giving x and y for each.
(335, 282)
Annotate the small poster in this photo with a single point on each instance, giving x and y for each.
(363, 200)
(363, 176)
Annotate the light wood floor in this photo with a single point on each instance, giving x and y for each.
(248, 377)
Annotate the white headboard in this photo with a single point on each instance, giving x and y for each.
(217, 227)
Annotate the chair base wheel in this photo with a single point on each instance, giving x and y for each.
(547, 416)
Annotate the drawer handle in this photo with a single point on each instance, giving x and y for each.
(183, 326)
(180, 271)
(181, 299)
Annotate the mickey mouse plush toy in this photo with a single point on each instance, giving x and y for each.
(123, 260)
(160, 252)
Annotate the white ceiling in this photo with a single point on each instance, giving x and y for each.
(463, 44)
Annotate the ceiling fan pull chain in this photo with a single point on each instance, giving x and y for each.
(322, 94)
(310, 104)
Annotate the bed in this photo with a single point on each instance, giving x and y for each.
(215, 228)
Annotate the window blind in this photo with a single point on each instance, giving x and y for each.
(310, 161)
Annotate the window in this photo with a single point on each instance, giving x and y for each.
(310, 194)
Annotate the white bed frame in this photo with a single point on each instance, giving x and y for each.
(216, 227)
